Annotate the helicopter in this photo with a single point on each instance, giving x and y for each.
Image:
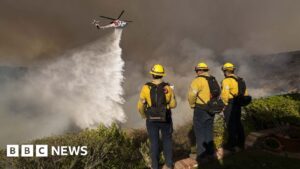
(115, 23)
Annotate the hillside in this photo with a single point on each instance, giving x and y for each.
(112, 147)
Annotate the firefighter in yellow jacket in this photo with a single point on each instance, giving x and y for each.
(198, 96)
(232, 112)
(155, 103)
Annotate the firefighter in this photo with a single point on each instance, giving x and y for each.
(232, 111)
(155, 103)
(198, 97)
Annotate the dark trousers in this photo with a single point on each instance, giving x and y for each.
(166, 129)
(236, 135)
(203, 128)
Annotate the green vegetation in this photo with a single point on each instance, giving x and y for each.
(274, 111)
(219, 131)
(111, 147)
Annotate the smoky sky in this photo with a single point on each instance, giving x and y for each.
(175, 33)
(39, 29)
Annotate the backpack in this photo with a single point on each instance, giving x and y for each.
(241, 99)
(158, 111)
(215, 105)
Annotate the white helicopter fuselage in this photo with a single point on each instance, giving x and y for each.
(119, 23)
(113, 24)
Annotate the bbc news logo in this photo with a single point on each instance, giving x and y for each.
(29, 150)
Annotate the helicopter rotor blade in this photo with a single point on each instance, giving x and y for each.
(107, 18)
(127, 21)
(121, 14)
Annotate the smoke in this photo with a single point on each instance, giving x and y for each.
(81, 89)
(175, 33)
(265, 74)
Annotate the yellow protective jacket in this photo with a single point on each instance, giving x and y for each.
(230, 89)
(145, 97)
(199, 88)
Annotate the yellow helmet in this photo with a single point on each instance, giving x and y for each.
(158, 70)
(201, 66)
(228, 66)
